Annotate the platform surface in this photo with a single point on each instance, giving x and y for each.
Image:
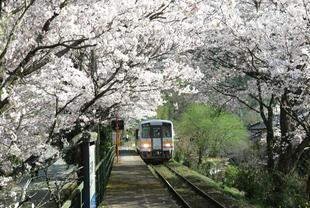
(132, 184)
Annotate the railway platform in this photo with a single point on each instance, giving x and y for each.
(132, 185)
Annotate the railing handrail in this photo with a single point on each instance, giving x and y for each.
(108, 155)
(77, 190)
(107, 159)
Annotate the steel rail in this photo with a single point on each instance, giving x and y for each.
(176, 194)
(196, 188)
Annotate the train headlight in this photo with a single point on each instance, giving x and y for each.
(168, 145)
(146, 145)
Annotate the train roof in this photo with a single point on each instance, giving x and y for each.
(155, 121)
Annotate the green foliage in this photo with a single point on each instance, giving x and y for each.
(174, 105)
(178, 156)
(163, 112)
(231, 175)
(205, 168)
(254, 182)
(212, 132)
(14, 159)
(247, 116)
(104, 140)
(274, 189)
(213, 168)
(167, 110)
(240, 81)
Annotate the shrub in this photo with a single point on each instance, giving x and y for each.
(254, 182)
(178, 156)
(205, 168)
(231, 175)
(292, 192)
(274, 189)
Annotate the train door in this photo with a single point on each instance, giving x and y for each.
(157, 138)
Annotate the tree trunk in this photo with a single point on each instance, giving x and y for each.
(286, 161)
(270, 138)
(285, 145)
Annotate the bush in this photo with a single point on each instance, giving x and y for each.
(274, 189)
(292, 191)
(231, 175)
(254, 182)
(213, 168)
(205, 168)
(178, 156)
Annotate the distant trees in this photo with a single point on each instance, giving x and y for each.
(210, 131)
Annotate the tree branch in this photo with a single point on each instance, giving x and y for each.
(14, 27)
(236, 97)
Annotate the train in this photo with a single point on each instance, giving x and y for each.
(155, 140)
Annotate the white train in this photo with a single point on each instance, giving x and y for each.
(154, 140)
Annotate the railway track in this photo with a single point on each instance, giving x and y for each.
(187, 193)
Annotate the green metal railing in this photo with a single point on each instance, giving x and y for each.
(76, 197)
(103, 170)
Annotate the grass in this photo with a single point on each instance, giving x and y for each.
(229, 196)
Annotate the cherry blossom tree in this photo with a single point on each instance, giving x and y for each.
(67, 65)
(257, 52)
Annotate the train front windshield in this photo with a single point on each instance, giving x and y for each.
(146, 131)
(163, 130)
